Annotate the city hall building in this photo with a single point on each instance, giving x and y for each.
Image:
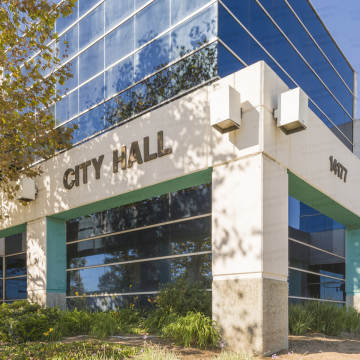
(216, 142)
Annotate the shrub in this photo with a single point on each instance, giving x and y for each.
(352, 320)
(300, 319)
(329, 318)
(103, 325)
(157, 319)
(128, 319)
(181, 297)
(22, 321)
(193, 328)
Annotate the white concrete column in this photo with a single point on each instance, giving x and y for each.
(250, 254)
(46, 262)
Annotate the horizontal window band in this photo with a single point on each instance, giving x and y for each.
(15, 277)
(306, 298)
(316, 248)
(321, 50)
(117, 294)
(276, 62)
(130, 86)
(311, 37)
(15, 254)
(143, 260)
(318, 274)
(140, 228)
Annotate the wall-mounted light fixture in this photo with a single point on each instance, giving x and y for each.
(27, 190)
(225, 111)
(292, 113)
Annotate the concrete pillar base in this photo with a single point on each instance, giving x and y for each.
(45, 299)
(252, 314)
(354, 301)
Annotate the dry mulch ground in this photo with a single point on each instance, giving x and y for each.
(307, 347)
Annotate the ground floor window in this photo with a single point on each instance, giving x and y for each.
(13, 271)
(316, 255)
(133, 249)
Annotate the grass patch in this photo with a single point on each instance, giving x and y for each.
(76, 350)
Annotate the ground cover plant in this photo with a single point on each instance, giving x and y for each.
(59, 351)
(322, 317)
(186, 323)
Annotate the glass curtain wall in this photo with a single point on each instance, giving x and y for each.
(130, 251)
(272, 30)
(131, 56)
(13, 280)
(316, 255)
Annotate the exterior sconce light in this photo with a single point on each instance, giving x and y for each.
(27, 190)
(292, 114)
(225, 111)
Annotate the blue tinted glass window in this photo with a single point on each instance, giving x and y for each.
(260, 25)
(15, 265)
(307, 285)
(15, 243)
(16, 289)
(91, 93)
(119, 77)
(63, 23)
(67, 108)
(119, 108)
(227, 63)
(184, 8)
(91, 27)
(152, 21)
(193, 33)
(140, 3)
(75, 134)
(142, 276)
(91, 62)
(67, 51)
(86, 5)
(119, 42)
(152, 56)
(91, 122)
(116, 11)
(241, 9)
(73, 82)
(233, 35)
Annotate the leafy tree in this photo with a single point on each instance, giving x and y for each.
(29, 73)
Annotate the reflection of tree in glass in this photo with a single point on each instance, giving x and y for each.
(75, 283)
(193, 269)
(184, 75)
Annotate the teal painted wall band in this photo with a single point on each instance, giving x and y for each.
(147, 192)
(13, 230)
(55, 255)
(353, 262)
(301, 190)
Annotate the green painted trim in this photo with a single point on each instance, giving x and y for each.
(144, 193)
(13, 230)
(55, 255)
(303, 191)
(56, 291)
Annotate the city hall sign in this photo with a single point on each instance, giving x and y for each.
(120, 160)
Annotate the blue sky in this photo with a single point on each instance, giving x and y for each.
(342, 18)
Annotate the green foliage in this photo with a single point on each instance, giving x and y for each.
(102, 326)
(76, 350)
(157, 319)
(22, 321)
(329, 318)
(300, 319)
(181, 297)
(322, 317)
(193, 328)
(352, 321)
